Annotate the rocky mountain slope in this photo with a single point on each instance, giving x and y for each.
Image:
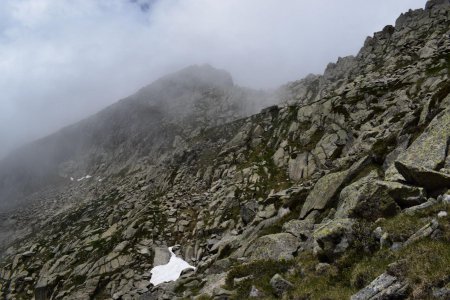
(140, 131)
(341, 193)
(143, 126)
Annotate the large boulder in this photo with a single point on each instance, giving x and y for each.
(279, 246)
(352, 195)
(370, 198)
(429, 150)
(279, 158)
(280, 285)
(303, 230)
(329, 145)
(429, 179)
(332, 238)
(161, 257)
(324, 190)
(302, 166)
(300, 228)
(329, 186)
(371, 201)
(248, 211)
(241, 138)
(213, 282)
(404, 195)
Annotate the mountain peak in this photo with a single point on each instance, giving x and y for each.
(205, 74)
(194, 76)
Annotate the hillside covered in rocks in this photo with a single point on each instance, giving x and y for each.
(340, 192)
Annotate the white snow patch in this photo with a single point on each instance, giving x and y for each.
(71, 178)
(84, 177)
(170, 271)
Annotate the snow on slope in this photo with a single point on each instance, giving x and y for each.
(170, 271)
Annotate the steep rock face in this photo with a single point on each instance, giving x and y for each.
(430, 149)
(301, 182)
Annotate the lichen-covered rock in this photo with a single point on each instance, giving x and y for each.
(279, 157)
(429, 150)
(429, 179)
(384, 287)
(352, 194)
(303, 230)
(299, 228)
(370, 198)
(213, 283)
(302, 166)
(279, 246)
(248, 211)
(332, 238)
(329, 186)
(161, 256)
(404, 195)
(423, 232)
(324, 190)
(413, 209)
(280, 285)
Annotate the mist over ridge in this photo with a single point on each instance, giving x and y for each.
(61, 61)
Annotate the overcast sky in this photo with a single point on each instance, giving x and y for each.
(61, 60)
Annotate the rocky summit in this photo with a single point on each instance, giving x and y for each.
(335, 186)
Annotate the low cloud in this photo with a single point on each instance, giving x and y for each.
(61, 60)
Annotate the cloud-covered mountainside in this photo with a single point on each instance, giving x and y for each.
(339, 191)
(62, 60)
(145, 126)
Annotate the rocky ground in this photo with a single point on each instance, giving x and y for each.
(342, 192)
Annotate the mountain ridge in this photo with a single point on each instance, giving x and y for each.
(150, 109)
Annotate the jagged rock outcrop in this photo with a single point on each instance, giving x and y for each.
(325, 191)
